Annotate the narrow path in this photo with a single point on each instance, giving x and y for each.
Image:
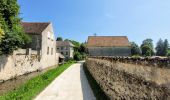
(70, 85)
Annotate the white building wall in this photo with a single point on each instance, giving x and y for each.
(48, 41)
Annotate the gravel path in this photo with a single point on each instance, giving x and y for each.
(70, 85)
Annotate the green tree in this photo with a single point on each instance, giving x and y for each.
(147, 47)
(146, 50)
(10, 22)
(82, 48)
(165, 48)
(160, 48)
(135, 50)
(59, 39)
(77, 56)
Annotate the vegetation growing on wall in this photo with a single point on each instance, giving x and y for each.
(11, 33)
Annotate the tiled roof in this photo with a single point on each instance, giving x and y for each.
(108, 41)
(34, 27)
(64, 43)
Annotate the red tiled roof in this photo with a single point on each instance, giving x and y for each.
(34, 27)
(108, 41)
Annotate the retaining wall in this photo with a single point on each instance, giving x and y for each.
(129, 80)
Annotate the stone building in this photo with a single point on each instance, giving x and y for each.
(66, 48)
(43, 41)
(108, 46)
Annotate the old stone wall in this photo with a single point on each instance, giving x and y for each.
(19, 63)
(129, 81)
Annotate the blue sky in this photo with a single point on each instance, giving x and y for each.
(78, 19)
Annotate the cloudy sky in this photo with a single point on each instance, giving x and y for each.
(78, 19)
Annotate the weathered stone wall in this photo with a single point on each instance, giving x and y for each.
(129, 81)
(20, 63)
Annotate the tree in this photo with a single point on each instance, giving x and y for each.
(160, 48)
(147, 47)
(77, 56)
(10, 23)
(146, 50)
(135, 50)
(59, 39)
(82, 48)
(165, 48)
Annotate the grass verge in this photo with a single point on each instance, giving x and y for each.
(98, 92)
(34, 86)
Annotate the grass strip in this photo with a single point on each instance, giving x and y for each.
(98, 92)
(34, 86)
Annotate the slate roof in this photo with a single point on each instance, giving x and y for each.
(108, 41)
(64, 43)
(34, 27)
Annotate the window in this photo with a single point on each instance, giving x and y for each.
(51, 51)
(66, 48)
(47, 50)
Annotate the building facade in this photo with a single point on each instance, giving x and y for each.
(108, 46)
(66, 48)
(43, 41)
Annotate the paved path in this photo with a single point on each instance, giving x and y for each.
(70, 85)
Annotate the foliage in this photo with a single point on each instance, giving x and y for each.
(146, 50)
(79, 50)
(14, 36)
(98, 92)
(165, 48)
(77, 56)
(13, 41)
(75, 43)
(160, 48)
(147, 47)
(35, 85)
(1, 33)
(82, 48)
(59, 39)
(135, 50)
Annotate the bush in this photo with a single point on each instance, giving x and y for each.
(77, 56)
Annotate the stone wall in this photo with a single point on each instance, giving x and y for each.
(125, 80)
(19, 63)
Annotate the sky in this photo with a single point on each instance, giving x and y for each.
(78, 19)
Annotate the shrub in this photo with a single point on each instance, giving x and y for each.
(77, 56)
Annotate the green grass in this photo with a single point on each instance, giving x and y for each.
(34, 86)
(98, 92)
